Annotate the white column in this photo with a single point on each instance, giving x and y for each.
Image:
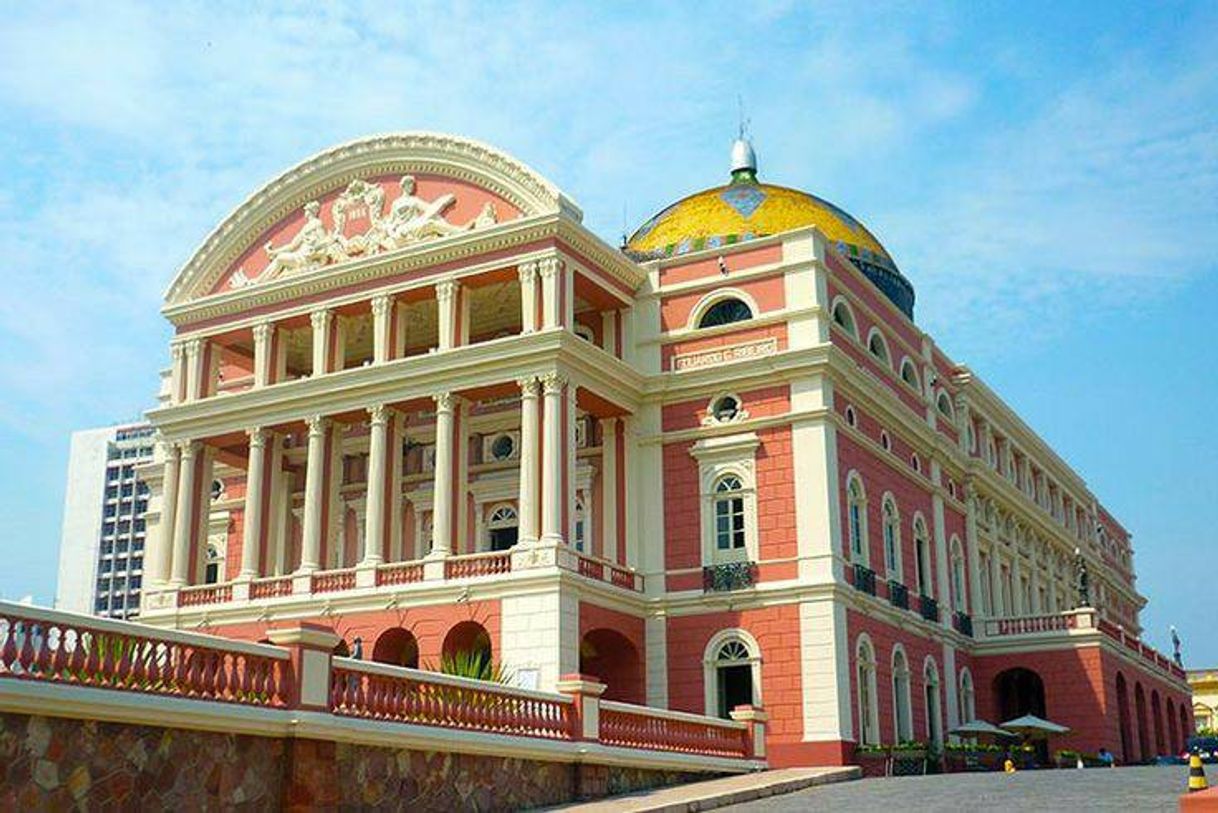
(169, 506)
(551, 305)
(393, 504)
(609, 495)
(1017, 585)
(975, 605)
(194, 369)
(374, 527)
(528, 296)
(442, 494)
(251, 541)
(382, 320)
(999, 606)
(942, 560)
(177, 373)
(609, 332)
(529, 531)
(183, 526)
(315, 475)
(446, 303)
(552, 495)
(264, 333)
(321, 321)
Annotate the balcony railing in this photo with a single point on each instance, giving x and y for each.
(478, 564)
(603, 570)
(864, 579)
(729, 576)
(898, 594)
(929, 608)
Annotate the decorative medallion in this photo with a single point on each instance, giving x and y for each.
(744, 198)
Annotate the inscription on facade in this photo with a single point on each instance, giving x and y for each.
(723, 355)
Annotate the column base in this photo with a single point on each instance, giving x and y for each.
(433, 567)
(302, 581)
(365, 573)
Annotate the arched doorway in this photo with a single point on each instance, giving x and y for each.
(1021, 691)
(397, 646)
(1122, 692)
(502, 528)
(934, 713)
(467, 651)
(612, 659)
(732, 673)
(1139, 709)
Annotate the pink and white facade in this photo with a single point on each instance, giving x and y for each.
(413, 398)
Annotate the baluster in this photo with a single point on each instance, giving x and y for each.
(42, 660)
(59, 655)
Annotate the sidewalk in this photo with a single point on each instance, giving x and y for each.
(715, 793)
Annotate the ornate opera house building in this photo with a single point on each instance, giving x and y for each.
(413, 398)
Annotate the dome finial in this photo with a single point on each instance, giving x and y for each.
(744, 160)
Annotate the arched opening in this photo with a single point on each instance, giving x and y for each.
(468, 641)
(934, 709)
(909, 374)
(868, 712)
(397, 646)
(902, 711)
(1021, 691)
(1184, 726)
(968, 699)
(724, 312)
(1122, 692)
(729, 515)
(878, 347)
(1156, 716)
(612, 659)
(1139, 710)
(922, 558)
(844, 318)
(856, 516)
(503, 527)
(732, 671)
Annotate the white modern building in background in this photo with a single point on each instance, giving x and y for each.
(101, 552)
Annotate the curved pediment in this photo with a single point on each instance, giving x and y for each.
(372, 196)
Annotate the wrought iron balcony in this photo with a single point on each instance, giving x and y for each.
(929, 608)
(864, 578)
(729, 576)
(964, 624)
(898, 594)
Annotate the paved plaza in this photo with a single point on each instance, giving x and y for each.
(1127, 789)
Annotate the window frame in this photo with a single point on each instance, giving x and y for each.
(720, 457)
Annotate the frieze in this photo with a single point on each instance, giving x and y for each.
(724, 355)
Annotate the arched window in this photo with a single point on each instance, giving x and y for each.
(585, 333)
(944, 405)
(726, 311)
(851, 419)
(856, 511)
(503, 527)
(729, 513)
(968, 698)
(902, 710)
(892, 539)
(868, 711)
(909, 374)
(922, 555)
(915, 462)
(958, 597)
(731, 672)
(214, 567)
(844, 318)
(934, 712)
(878, 347)
(885, 441)
(581, 525)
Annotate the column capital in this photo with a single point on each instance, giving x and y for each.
(527, 272)
(257, 436)
(262, 331)
(193, 346)
(177, 349)
(446, 289)
(317, 424)
(378, 414)
(381, 305)
(188, 448)
(530, 387)
(445, 401)
(549, 266)
(321, 318)
(553, 382)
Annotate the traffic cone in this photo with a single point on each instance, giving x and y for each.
(1196, 774)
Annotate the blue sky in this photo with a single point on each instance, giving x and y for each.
(1045, 173)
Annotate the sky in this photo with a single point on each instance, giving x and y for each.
(1046, 174)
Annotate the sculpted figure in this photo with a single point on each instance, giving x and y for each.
(412, 219)
(487, 217)
(312, 246)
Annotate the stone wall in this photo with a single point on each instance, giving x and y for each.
(49, 763)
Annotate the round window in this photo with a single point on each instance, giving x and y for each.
(726, 408)
(503, 447)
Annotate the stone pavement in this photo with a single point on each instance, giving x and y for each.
(715, 793)
(1131, 790)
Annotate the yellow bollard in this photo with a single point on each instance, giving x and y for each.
(1009, 767)
(1196, 774)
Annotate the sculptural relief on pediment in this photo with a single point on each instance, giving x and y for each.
(368, 217)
